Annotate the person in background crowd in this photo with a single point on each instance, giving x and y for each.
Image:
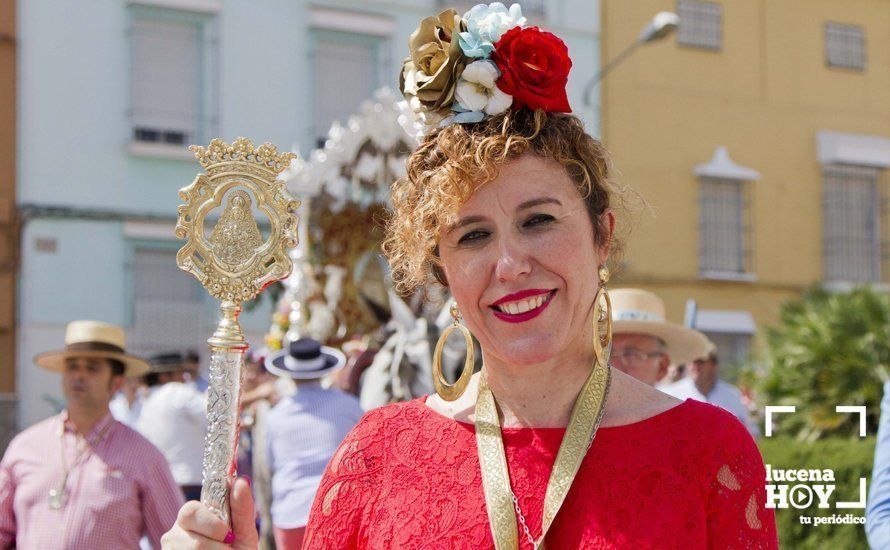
(81, 479)
(192, 362)
(259, 395)
(359, 356)
(675, 371)
(877, 514)
(703, 384)
(174, 418)
(643, 343)
(257, 383)
(127, 403)
(302, 433)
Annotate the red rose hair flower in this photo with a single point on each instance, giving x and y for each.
(534, 67)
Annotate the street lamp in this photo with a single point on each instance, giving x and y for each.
(661, 26)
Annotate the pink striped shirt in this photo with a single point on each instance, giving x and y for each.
(117, 491)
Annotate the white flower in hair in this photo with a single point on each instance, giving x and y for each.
(486, 25)
(477, 92)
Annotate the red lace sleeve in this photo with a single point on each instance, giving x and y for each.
(737, 513)
(348, 488)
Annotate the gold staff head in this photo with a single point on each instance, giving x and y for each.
(235, 261)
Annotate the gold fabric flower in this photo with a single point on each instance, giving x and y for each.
(434, 65)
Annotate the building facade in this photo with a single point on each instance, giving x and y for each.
(107, 108)
(759, 134)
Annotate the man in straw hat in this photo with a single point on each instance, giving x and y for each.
(302, 433)
(82, 479)
(174, 419)
(643, 342)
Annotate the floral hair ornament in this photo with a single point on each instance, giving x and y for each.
(464, 69)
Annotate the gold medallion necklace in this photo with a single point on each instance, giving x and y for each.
(500, 501)
(58, 496)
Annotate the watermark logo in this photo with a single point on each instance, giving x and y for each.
(771, 410)
(801, 488)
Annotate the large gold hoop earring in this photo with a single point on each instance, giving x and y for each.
(602, 315)
(451, 392)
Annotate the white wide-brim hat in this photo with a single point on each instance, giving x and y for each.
(93, 339)
(636, 311)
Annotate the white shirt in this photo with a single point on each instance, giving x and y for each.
(726, 396)
(302, 434)
(174, 418)
(123, 412)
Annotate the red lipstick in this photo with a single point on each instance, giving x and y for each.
(530, 314)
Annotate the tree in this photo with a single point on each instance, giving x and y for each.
(829, 349)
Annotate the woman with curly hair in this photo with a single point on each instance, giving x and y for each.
(508, 203)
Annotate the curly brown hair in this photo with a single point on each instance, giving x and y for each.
(454, 161)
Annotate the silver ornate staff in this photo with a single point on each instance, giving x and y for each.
(234, 262)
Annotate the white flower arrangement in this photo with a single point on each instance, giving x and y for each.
(477, 92)
(486, 25)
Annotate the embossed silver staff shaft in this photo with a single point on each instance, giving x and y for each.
(227, 348)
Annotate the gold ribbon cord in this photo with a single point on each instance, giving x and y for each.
(584, 421)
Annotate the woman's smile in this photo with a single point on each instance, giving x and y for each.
(522, 306)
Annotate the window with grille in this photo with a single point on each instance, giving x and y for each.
(701, 24)
(855, 245)
(348, 68)
(724, 227)
(169, 311)
(171, 61)
(845, 46)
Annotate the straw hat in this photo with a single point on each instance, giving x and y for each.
(636, 311)
(92, 339)
(305, 359)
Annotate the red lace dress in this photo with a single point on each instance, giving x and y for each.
(408, 477)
